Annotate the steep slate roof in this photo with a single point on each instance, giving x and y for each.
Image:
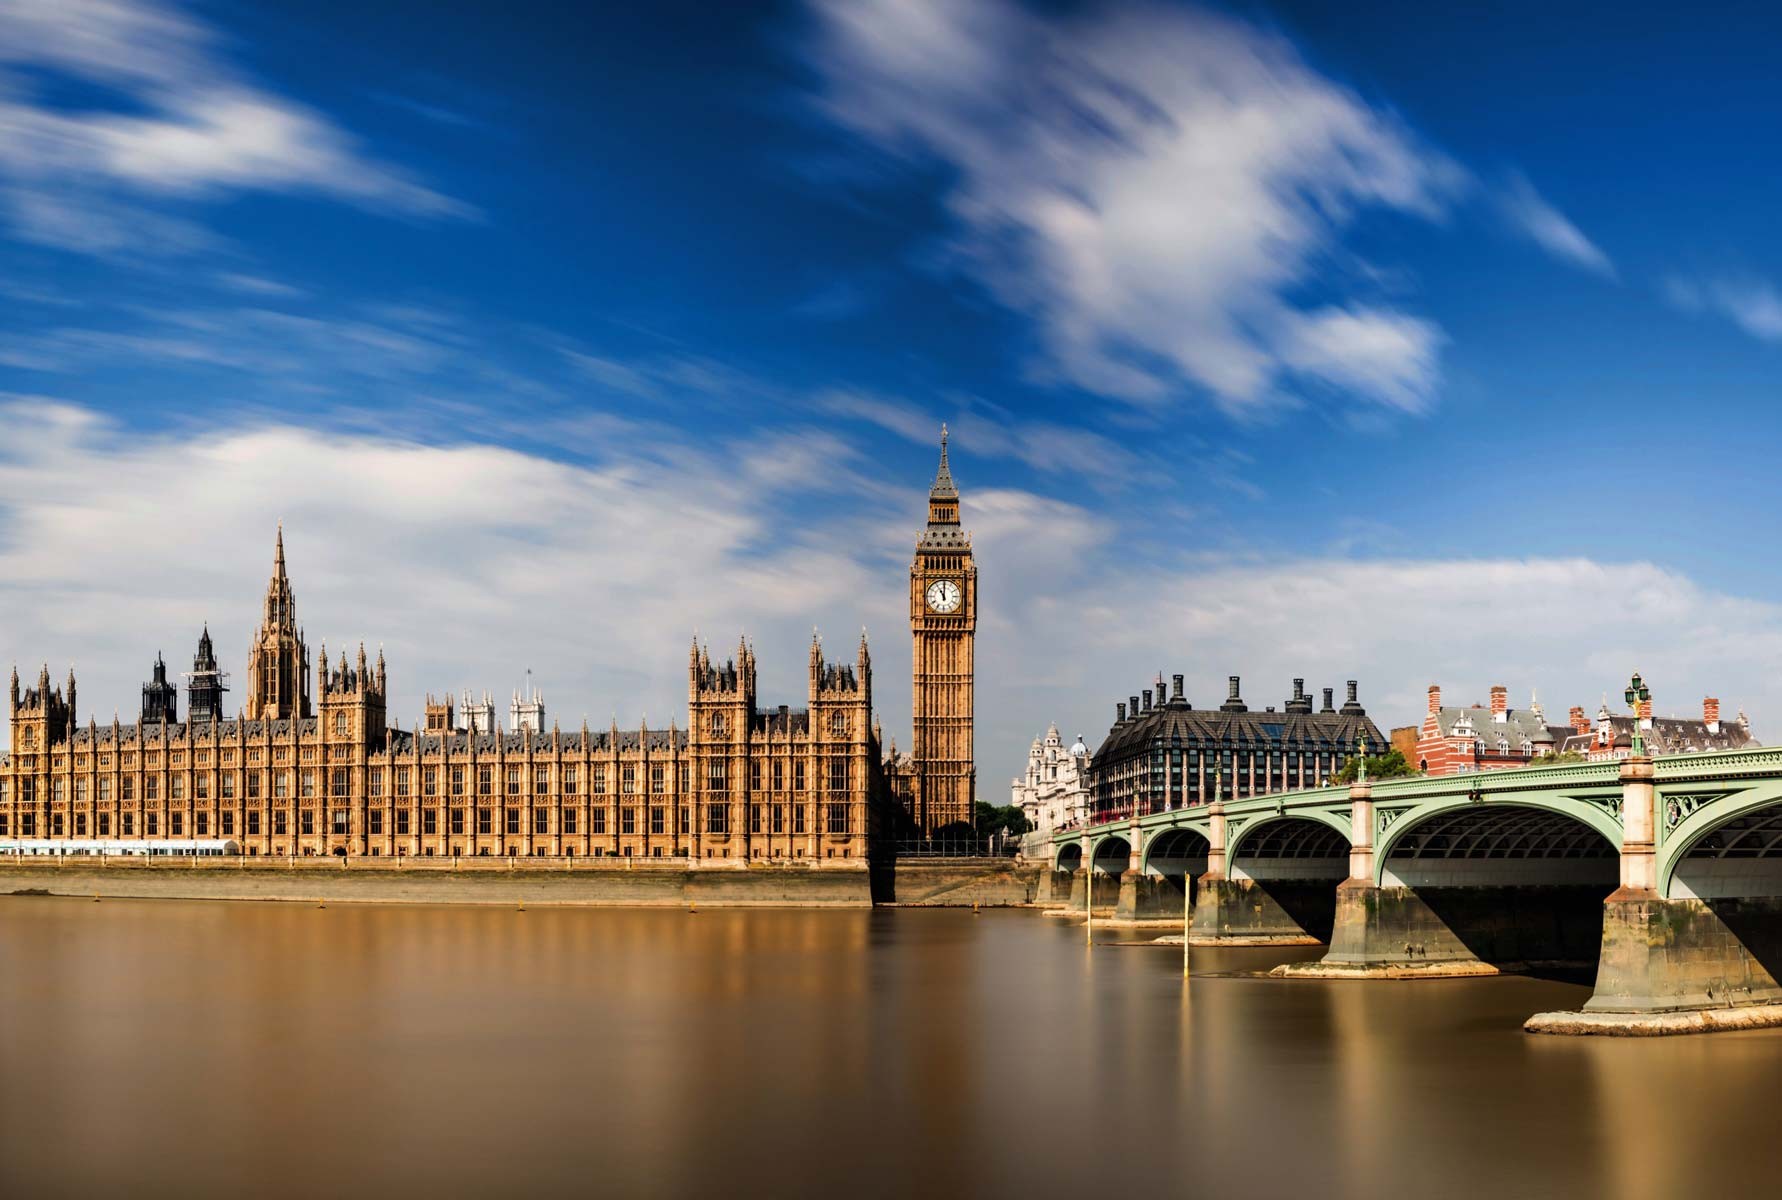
(782, 720)
(1668, 735)
(1176, 721)
(399, 741)
(1518, 724)
(460, 741)
(142, 732)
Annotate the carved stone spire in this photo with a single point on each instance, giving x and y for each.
(278, 678)
(943, 488)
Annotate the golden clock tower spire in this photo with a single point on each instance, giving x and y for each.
(943, 625)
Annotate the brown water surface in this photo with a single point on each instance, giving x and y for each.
(157, 1048)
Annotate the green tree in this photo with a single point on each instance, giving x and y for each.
(1554, 758)
(993, 819)
(1390, 765)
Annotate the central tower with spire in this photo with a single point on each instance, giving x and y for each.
(278, 663)
(943, 627)
(204, 683)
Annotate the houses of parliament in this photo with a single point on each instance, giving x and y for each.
(313, 764)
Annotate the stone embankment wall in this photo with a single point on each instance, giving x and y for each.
(962, 882)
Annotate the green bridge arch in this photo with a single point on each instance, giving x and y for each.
(1245, 834)
(1394, 827)
(1700, 813)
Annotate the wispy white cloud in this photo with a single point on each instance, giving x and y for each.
(258, 285)
(1057, 451)
(1530, 214)
(1150, 184)
(1384, 354)
(1752, 304)
(96, 180)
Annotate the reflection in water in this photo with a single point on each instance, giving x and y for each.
(159, 1048)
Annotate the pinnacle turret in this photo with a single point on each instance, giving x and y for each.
(943, 487)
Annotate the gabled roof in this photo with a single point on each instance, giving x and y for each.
(1518, 725)
(1668, 735)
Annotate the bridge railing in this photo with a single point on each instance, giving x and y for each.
(1675, 768)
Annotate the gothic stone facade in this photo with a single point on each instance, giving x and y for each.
(323, 772)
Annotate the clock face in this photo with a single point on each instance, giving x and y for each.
(944, 596)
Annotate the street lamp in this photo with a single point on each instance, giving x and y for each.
(1637, 694)
(1361, 757)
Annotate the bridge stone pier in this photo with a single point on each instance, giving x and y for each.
(1158, 873)
(1664, 877)
(1067, 884)
(1270, 880)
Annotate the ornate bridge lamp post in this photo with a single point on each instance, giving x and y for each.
(1361, 820)
(1639, 806)
(1637, 696)
(1215, 855)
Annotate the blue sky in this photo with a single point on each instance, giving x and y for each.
(1379, 341)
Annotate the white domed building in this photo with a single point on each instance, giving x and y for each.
(1054, 791)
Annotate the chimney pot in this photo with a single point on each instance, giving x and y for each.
(1147, 699)
(1120, 714)
(1132, 706)
(1175, 687)
(1231, 687)
(1349, 691)
(1328, 705)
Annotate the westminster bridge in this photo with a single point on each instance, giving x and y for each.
(1664, 873)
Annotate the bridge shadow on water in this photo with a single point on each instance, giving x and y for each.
(1548, 932)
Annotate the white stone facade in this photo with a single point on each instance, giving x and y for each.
(1054, 792)
(527, 713)
(477, 717)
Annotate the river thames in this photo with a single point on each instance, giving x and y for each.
(207, 1049)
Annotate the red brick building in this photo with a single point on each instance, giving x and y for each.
(1494, 737)
(1612, 735)
(1457, 740)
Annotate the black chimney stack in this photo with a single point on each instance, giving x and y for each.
(1301, 703)
(1328, 705)
(1175, 687)
(1119, 714)
(1352, 706)
(1233, 701)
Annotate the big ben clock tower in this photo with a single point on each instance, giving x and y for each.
(943, 624)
